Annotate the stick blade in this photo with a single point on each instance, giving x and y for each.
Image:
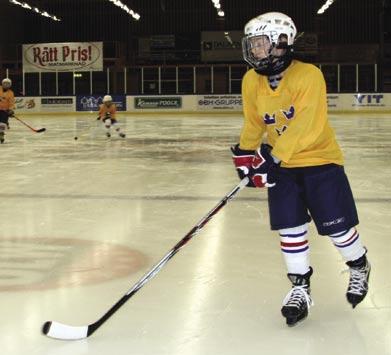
(61, 331)
(41, 130)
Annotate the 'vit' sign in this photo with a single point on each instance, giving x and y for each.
(368, 100)
(51, 57)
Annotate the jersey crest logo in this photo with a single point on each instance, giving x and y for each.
(269, 119)
(281, 130)
(290, 113)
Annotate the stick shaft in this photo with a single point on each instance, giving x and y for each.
(33, 129)
(24, 123)
(150, 274)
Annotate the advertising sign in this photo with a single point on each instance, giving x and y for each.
(63, 57)
(370, 100)
(27, 104)
(219, 102)
(332, 101)
(359, 102)
(220, 46)
(158, 102)
(58, 104)
(307, 43)
(92, 102)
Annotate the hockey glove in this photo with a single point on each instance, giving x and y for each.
(10, 113)
(107, 116)
(263, 167)
(242, 160)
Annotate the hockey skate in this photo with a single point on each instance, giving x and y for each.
(108, 135)
(358, 282)
(2, 137)
(122, 135)
(297, 301)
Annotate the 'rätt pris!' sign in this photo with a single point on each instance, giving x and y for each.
(63, 57)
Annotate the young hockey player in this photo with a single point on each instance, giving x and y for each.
(107, 113)
(7, 105)
(284, 100)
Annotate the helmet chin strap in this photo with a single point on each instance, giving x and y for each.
(274, 67)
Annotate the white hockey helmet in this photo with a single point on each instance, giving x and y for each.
(107, 98)
(6, 83)
(273, 25)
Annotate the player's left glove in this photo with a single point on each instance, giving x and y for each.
(263, 167)
(10, 113)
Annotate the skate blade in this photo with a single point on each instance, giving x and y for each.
(292, 321)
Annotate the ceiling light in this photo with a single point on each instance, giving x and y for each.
(217, 5)
(25, 5)
(325, 6)
(118, 3)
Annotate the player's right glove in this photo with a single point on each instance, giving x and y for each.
(263, 167)
(107, 117)
(242, 160)
(258, 166)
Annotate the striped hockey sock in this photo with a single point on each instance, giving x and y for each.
(348, 244)
(295, 249)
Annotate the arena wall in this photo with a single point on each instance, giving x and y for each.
(353, 102)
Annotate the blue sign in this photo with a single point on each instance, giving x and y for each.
(92, 102)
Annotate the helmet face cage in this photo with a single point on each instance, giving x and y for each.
(272, 40)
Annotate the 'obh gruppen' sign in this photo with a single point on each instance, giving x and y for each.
(51, 57)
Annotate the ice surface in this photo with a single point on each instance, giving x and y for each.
(82, 221)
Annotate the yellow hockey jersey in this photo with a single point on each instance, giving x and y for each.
(294, 117)
(103, 109)
(7, 99)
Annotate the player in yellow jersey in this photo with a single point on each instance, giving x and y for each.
(301, 163)
(7, 105)
(107, 114)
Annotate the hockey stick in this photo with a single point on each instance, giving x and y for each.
(33, 129)
(67, 332)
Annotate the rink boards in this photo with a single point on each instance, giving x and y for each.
(349, 102)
